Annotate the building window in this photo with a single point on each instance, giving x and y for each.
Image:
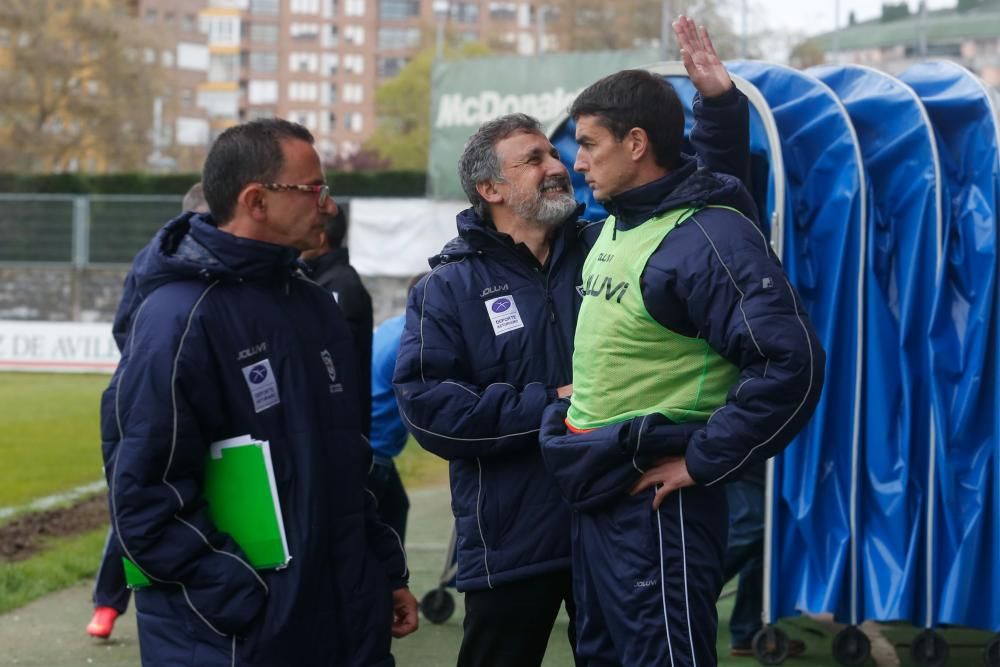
(354, 7)
(464, 12)
(331, 94)
(331, 63)
(188, 23)
(354, 35)
(264, 7)
(353, 93)
(262, 92)
(354, 63)
(503, 11)
(398, 10)
(303, 62)
(354, 121)
(304, 31)
(398, 38)
(305, 6)
(329, 38)
(305, 118)
(224, 67)
(167, 58)
(263, 61)
(265, 33)
(150, 16)
(390, 66)
(221, 30)
(303, 91)
(187, 97)
(257, 114)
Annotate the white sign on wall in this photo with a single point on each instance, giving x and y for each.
(57, 347)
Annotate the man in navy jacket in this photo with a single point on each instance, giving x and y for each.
(693, 360)
(222, 335)
(488, 345)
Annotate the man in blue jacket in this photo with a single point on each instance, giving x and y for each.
(693, 360)
(488, 344)
(221, 336)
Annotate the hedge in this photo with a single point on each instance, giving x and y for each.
(346, 183)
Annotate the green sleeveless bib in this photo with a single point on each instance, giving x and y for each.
(625, 363)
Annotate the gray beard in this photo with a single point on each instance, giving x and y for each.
(545, 212)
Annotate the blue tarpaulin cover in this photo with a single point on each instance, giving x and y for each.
(823, 241)
(900, 159)
(963, 340)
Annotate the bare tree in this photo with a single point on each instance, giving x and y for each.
(588, 25)
(75, 88)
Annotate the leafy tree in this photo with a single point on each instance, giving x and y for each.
(403, 110)
(895, 11)
(807, 54)
(74, 88)
(590, 25)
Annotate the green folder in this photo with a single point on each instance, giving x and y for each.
(242, 501)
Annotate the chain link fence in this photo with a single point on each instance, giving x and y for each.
(80, 229)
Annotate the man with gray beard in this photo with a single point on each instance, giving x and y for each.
(488, 344)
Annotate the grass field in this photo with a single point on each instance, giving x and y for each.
(50, 443)
(50, 439)
(64, 563)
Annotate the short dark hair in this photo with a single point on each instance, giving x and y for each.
(479, 161)
(335, 228)
(243, 154)
(637, 98)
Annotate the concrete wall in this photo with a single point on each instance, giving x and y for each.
(61, 293)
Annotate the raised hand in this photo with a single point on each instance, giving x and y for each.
(707, 72)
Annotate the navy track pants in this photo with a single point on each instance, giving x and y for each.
(646, 583)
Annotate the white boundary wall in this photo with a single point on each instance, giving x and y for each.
(57, 347)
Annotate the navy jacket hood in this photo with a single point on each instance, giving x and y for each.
(191, 247)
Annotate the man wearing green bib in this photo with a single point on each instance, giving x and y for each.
(693, 360)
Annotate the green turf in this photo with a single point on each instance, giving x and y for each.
(65, 562)
(49, 434)
(51, 441)
(418, 468)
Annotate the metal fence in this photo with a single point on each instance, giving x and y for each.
(80, 229)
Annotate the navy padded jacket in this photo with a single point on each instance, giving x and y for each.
(201, 310)
(475, 397)
(715, 277)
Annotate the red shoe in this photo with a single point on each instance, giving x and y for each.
(102, 623)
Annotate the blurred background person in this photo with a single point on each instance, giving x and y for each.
(111, 595)
(331, 269)
(389, 435)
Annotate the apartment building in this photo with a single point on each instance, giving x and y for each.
(317, 62)
(181, 128)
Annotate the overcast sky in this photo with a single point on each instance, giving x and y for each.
(816, 16)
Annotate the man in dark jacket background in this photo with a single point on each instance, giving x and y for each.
(693, 360)
(488, 345)
(330, 267)
(221, 335)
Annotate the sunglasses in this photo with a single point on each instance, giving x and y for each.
(322, 192)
